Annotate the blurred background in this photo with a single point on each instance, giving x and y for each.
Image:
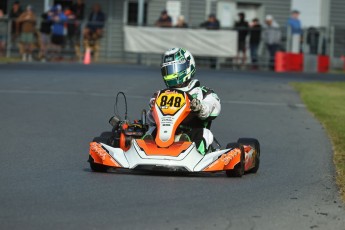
(280, 35)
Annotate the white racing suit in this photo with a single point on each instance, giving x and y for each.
(198, 127)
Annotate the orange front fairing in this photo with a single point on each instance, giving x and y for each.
(227, 161)
(170, 102)
(101, 156)
(174, 150)
(171, 108)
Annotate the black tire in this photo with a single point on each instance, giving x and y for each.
(238, 170)
(104, 140)
(255, 144)
(97, 167)
(106, 134)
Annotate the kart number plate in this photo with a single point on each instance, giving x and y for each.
(170, 102)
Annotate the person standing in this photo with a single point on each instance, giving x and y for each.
(45, 31)
(71, 38)
(79, 11)
(95, 25)
(295, 26)
(272, 38)
(15, 12)
(3, 33)
(313, 36)
(26, 23)
(164, 20)
(58, 19)
(181, 23)
(254, 41)
(212, 23)
(242, 27)
(94, 30)
(79, 8)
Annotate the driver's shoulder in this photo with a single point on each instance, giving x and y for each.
(201, 92)
(206, 91)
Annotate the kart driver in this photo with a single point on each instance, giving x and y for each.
(178, 70)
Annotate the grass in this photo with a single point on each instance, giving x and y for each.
(8, 60)
(327, 102)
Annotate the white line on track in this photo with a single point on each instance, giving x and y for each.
(264, 103)
(39, 92)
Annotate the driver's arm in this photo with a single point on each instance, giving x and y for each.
(210, 106)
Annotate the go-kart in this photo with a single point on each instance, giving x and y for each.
(127, 146)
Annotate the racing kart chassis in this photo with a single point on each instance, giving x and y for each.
(126, 148)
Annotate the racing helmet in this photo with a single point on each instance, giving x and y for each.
(178, 67)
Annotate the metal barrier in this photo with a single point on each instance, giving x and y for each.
(314, 41)
(73, 47)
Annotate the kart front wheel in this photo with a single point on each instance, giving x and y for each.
(104, 138)
(97, 167)
(238, 170)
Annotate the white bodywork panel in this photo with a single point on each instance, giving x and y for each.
(190, 159)
(117, 154)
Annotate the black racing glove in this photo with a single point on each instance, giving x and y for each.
(195, 105)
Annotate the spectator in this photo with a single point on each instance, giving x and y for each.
(242, 27)
(181, 22)
(58, 19)
(164, 20)
(254, 41)
(79, 8)
(212, 23)
(3, 33)
(313, 36)
(94, 28)
(45, 31)
(296, 31)
(71, 38)
(271, 37)
(15, 12)
(79, 11)
(26, 23)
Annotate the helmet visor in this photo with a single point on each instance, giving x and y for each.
(173, 82)
(174, 68)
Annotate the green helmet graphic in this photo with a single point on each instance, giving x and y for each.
(178, 67)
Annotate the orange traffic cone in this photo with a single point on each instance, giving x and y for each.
(87, 56)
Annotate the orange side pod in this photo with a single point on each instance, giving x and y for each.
(100, 156)
(226, 162)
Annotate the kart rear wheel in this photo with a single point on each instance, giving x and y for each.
(97, 167)
(101, 139)
(256, 145)
(238, 170)
(106, 134)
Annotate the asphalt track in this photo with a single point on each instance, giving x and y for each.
(49, 113)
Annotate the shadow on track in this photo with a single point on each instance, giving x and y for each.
(163, 173)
